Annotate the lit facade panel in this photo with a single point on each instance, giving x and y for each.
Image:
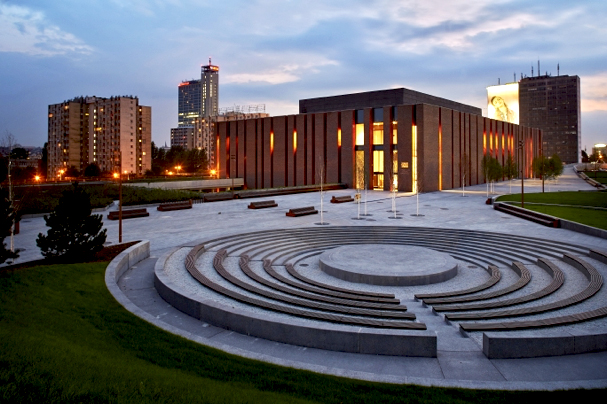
(503, 103)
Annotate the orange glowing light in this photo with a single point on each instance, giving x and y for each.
(37, 178)
(271, 142)
(115, 175)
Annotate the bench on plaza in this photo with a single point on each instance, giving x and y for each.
(164, 207)
(262, 204)
(557, 281)
(536, 217)
(319, 311)
(128, 214)
(495, 277)
(319, 293)
(342, 199)
(220, 196)
(524, 278)
(595, 283)
(308, 210)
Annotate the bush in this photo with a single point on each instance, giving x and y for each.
(74, 235)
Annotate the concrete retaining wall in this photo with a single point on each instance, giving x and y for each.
(531, 345)
(125, 260)
(333, 337)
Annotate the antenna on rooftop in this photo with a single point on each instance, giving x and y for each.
(498, 81)
(514, 76)
(531, 70)
(558, 69)
(539, 72)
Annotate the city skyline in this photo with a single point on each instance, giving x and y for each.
(277, 53)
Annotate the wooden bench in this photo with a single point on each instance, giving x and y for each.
(221, 196)
(317, 309)
(128, 214)
(524, 278)
(557, 281)
(308, 210)
(594, 285)
(527, 214)
(164, 207)
(495, 277)
(262, 204)
(342, 199)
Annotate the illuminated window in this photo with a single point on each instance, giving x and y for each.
(378, 133)
(378, 161)
(360, 134)
(394, 132)
(360, 169)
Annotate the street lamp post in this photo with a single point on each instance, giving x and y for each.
(119, 176)
(520, 145)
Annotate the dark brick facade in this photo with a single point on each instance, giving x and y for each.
(290, 150)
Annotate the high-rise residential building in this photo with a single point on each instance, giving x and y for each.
(552, 104)
(115, 133)
(197, 105)
(189, 104)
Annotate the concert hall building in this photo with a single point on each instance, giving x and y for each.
(372, 140)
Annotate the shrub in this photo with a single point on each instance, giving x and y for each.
(74, 235)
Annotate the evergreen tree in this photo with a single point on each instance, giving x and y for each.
(8, 216)
(92, 170)
(74, 235)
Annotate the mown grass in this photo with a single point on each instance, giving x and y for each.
(599, 176)
(577, 211)
(64, 339)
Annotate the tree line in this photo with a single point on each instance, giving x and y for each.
(546, 168)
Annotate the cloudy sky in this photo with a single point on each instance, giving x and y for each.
(275, 52)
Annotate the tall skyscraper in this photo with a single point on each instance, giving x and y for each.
(198, 105)
(209, 78)
(115, 133)
(189, 104)
(552, 104)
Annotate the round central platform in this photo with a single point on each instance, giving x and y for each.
(388, 265)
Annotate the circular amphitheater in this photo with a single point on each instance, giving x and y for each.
(368, 289)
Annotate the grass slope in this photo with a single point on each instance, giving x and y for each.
(576, 211)
(63, 338)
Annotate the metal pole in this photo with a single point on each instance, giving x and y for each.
(120, 198)
(233, 171)
(521, 143)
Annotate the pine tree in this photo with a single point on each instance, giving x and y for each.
(8, 216)
(74, 235)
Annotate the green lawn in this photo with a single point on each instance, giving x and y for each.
(64, 339)
(577, 211)
(580, 198)
(599, 176)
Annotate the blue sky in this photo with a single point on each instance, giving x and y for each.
(275, 52)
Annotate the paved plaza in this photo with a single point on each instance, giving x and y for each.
(459, 360)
